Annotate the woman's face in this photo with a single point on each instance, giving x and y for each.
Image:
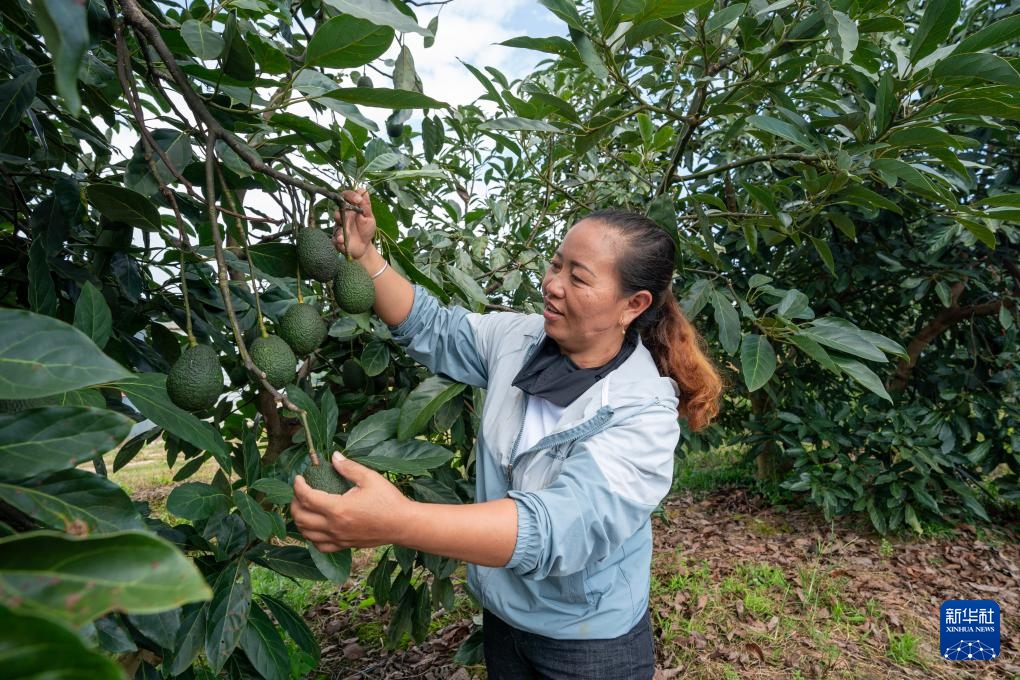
(585, 310)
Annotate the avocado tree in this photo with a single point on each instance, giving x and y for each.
(840, 178)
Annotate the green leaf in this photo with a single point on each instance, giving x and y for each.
(347, 42)
(411, 457)
(42, 294)
(304, 401)
(373, 430)
(92, 315)
(842, 31)
(237, 60)
(293, 624)
(121, 204)
(264, 647)
(727, 320)
(203, 41)
(783, 129)
(977, 65)
(815, 351)
(40, 440)
(16, 96)
(552, 45)
(196, 501)
(844, 336)
(79, 580)
(175, 146)
(336, 566)
(228, 613)
(757, 361)
(385, 98)
(277, 492)
(566, 11)
(290, 560)
(589, 55)
(274, 258)
(64, 26)
(824, 252)
(994, 34)
(380, 13)
(260, 521)
(862, 375)
(147, 392)
(375, 358)
(514, 124)
(190, 639)
(38, 648)
(40, 356)
(938, 20)
(75, 500)
(422, 404)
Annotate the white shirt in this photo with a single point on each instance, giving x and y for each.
(540, 418)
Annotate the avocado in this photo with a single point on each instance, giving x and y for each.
(354, 375)
(302, 328)
(275, 357)
(316, 254)
(324, 477)
(364, 81)
(353, 288)
(195, 380)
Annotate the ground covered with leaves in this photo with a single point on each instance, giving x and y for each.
(745, 589)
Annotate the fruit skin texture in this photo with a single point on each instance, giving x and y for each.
(302, 328)
(316, 254)
(275, 357)
(324, 477)
(364, 81)
(195, 380)
(353, 288)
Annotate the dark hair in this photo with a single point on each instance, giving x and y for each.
(646, 263)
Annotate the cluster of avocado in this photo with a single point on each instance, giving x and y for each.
(195, 381)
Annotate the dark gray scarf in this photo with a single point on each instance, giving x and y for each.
(550, 374)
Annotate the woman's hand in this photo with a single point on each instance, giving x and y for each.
(360, 226)
(373, 513)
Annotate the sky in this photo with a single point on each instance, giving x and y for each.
(470, 31)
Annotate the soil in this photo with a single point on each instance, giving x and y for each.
(896, 586)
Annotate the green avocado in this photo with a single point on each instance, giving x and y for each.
(302, 328)
(353, 288)
(275, 357)
(324, 477)
(316, 254)
(364, 81)
(196, 379)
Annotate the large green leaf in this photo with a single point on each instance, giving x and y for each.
(757, 361)
(385, 98)
(347, 42)
(77, 501)
(335, 566)
(38, 648)
(40, 356)
(290, 560)
(64, 26)
(42, 440)
(196, 501)
(938, 20)
(148, 393)
(411, 457)
(203, 41)
(121, 204)
(422, 404)
(293, 624)
(977, 65)
(260, 521)
(844, 336)
(78, 580)
(862, 375)
(514, 124)
(42, 294)
(190, 639)
(784, 129)
(380, 13)
(228, 613)
(16, 97)
(727, 320)
(373, 430)
(276, 259)
(264, 647)
(175, 146)
(92, 315)
(991, 35)
(815, 351)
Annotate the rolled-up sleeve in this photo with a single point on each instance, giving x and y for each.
(605, 492)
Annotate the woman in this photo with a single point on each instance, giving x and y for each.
(574, 452)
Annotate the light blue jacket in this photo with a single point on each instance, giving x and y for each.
(584, 493)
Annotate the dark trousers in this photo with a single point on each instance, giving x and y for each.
(513, 654)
